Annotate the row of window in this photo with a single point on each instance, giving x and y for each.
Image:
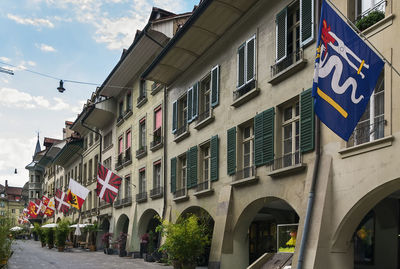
(125, 104)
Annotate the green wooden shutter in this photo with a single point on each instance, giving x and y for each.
(231, 151)
(306, 121)
(268, 143)
(174, 116)
(173, 175)
(188, 169)
(281, 30)
(189, 103)
(193, 166)
(215, 86)
(264, 137)
(306, 21)
(195, 105)
(240, 68)
(214, 158)
(250, 60)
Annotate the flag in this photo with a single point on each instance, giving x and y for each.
(50, 208)
(61, 200)
(107, 184)
(345, 75)
(76, 194)
(43, 206)
(32, 209)
(39, 204)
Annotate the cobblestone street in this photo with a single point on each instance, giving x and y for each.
(30, 254)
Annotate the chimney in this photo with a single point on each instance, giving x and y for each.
(6, 183)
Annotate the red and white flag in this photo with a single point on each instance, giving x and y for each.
(32, 209)
(50, 208)
(38, 204)
(43, 206)
(107, 184)
(61, 201)
(76, 194)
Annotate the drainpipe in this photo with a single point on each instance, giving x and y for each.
(165, 155)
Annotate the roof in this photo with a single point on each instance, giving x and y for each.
(14, 191)
(209, 21)
(37, 149)
(68, 122)
(48, 141)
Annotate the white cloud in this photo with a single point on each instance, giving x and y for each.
(31, 63)
(5, 59)
(13, 98)
(46, 48)
(28, 21)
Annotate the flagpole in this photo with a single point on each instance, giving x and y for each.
(364, 37)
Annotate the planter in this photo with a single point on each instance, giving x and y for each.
(92, 248)
(3, 261)
(43, 244)
(176, 264)
(189, 266)
(148, 257)
(61, 249)
(122, 253)
(51, 246)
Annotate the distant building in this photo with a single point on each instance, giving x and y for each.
(11, 202)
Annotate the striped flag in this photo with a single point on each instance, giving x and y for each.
(107, 184)
(76, 194)
(61, 200)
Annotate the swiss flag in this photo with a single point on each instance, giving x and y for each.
(107, 184)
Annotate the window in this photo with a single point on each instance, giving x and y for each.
(247, 153)
(180, 116)
(127, 186)
(205, 163)
(95, 166)
(90, 139)
(2, 203)
(120, 150)
(294, 29)
(157, 174)
(120, 110)
(129, 101)
(13, 210)
(365, 7)
(85, 143)
(291, 135)
(128, 141)
(364, 240)
(107, 163)
(157, 125)
(90, 170)
(107, 140)
(182, 168)
(142, 133)
(372, 123)
(84, 174)
(142, 180)
(246, 71)
(32, 178)
(205, 98)
(142, 89)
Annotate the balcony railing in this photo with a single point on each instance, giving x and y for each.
(247, 172)
(141, 99)
(203, 186)
(380, 7)
(156, 192)
(126, 201)
(206, 114)
(94, 211)
(35, 185)
(290, 59)
(141, 152)
(181, 130)
(141, 197)
(117, 203)
(180, 193)
(120, 117)
(128, 156)
(249, 86)
(287, 160)
(104, 204)
(365, 132)
(157, 139)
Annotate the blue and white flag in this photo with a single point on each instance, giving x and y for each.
(346, 72)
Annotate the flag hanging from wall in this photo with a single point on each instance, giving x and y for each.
(76, 194)
(345, 75)
(61, 201)
(50, 208)
(32, 209)
(108, 184)
(39, 204)
(43, 206)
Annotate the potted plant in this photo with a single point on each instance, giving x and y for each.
(144, 240)
(185, 241)
(105, 239)
(369, 20)
(5, 240)
(122, 244)
(92, 230)
(49, 234)
(62, 232)
(39, 231)
(150, 248)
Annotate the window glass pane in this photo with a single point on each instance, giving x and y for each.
(287, 114)
(287, 130)
(158, 117)
(247, 132)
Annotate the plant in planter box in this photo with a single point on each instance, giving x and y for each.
(49, 234)
(369, 20)
(122, 244)
(185, 241)
(5, 239)
(62, 232)
(92, 230)
(105, 239)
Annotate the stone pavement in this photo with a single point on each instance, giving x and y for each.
(29, 254)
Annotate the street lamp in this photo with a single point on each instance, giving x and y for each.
(61, 88)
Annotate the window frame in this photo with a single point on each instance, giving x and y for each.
(246, 80)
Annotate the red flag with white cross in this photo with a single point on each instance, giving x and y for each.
(108, 184)
(61, 201)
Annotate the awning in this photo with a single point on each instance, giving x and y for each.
(68, 152)
(127, 70)
(50, 154)
(207, 24)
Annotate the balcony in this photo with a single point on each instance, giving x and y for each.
(117, 203)
(141, 197)
(203, 189)
(35, 186)
(127, 113)
(290, 65)
(103, 113)
(128, 157)
(120, 119)
(93, 211)
(181, 133)
(371, 16)
(287, 164)
(141, 152)
(245, 176)
(155, 88)
(141, 100)
(104, 204)
(180, 195)
(120, 162)
(157, 142)
(245, 93)
(204, 118)
(156, 192)
(127, 201)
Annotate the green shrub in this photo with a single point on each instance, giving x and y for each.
(39, 231)
(62, 232)
(49, 234)
(185, 240)
(5, 238)
(370, 20)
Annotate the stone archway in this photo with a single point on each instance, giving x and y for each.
(257, 228)
(149, 238)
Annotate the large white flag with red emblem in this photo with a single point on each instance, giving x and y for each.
(107, 184)
(76, 194)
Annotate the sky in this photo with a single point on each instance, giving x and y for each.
(79, 40)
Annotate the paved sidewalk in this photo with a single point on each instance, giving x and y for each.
(29, 254)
